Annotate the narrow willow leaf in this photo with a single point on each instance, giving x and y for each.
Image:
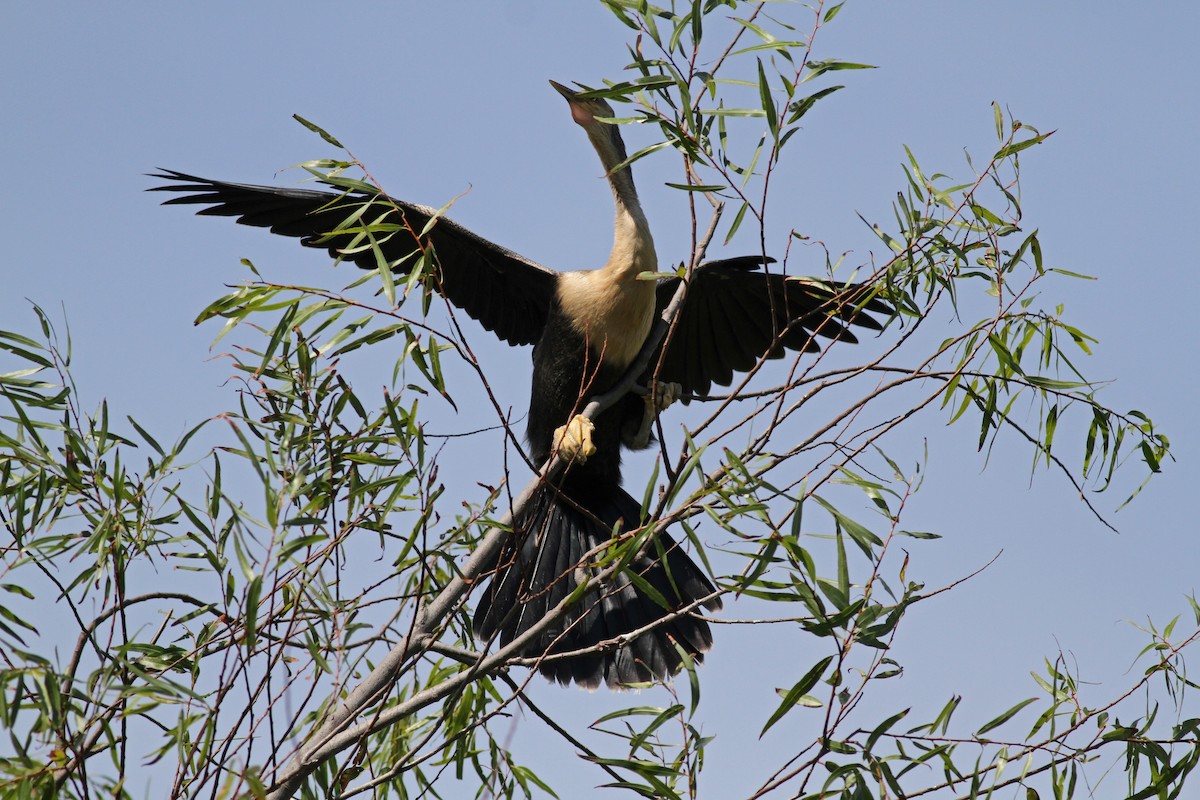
(1004, 355)
(281, 334)
(292, 546)
(142, 432)
(756, 29)
(645, 151)
(734, 112)
(793, 695)
(20, 352)
(688, 468)
(843, 568)
(737, 221)
(632, 711)
(665, 716)
(620, 14)
(6, 614)
(1016, 147)
(703, 187)
(319, 131)
(883, 728)
(15, 589)
(762, 562)
(768, 102)
(920, 534)
(778, 46)
(639, 766)
(1054, 384)
(818, 68)
(1005, 717)
(943, 717)
(802, 106)
(1071, 274)
(862, 536)
(681, 24)
(250, 615)
(689, 666)
(525, 775)
(23, 340)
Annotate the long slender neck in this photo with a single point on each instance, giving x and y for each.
(609, 306)
(633, 246)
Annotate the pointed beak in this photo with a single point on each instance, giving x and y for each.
(570, 94)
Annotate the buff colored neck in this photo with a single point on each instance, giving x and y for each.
(633, 246)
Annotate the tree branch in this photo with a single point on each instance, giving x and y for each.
(333, 734)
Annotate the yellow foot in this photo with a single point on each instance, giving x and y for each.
(573, 441)
(665, 395)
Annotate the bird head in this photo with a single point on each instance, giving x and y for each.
(584, 110)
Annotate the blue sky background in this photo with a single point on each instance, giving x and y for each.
(441, 98)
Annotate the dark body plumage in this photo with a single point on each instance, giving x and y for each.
(578, 514)
(586, 328)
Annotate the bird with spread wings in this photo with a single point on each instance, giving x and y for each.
(586, 327)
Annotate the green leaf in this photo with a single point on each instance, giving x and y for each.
(818, 68)
(768, 102)
(734, 112)
(843, 568)
(525, 775)
(862, 536)
(300, 542)
(757, 30)
(793, 695)
(15, 589)
(250, 616)
(1016, 147)
(1119, 734)
(665, 716)
(1005, 717)
(802, 106)
(776, 46)
(1071, 274)
(319, 131)
(737, 221)
(883, 728)
(1053, 384)
(689, 666)
(943, 717)
(694, 187)
(645, 151)
(142, 432)
(920, 534)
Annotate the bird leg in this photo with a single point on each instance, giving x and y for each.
(573, 441)
(657, 400)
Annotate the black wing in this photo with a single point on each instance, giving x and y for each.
(509, 294)
(735, 314)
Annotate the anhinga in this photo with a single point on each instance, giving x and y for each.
(586, 328)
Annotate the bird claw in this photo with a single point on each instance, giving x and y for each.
(662, 397)
(573, 441)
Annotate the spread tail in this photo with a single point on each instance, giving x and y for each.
(542, 563)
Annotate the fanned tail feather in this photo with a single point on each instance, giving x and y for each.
(544, 561)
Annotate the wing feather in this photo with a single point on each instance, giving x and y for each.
(735, 315)
(506, 292)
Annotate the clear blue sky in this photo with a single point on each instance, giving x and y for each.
(439, 98)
